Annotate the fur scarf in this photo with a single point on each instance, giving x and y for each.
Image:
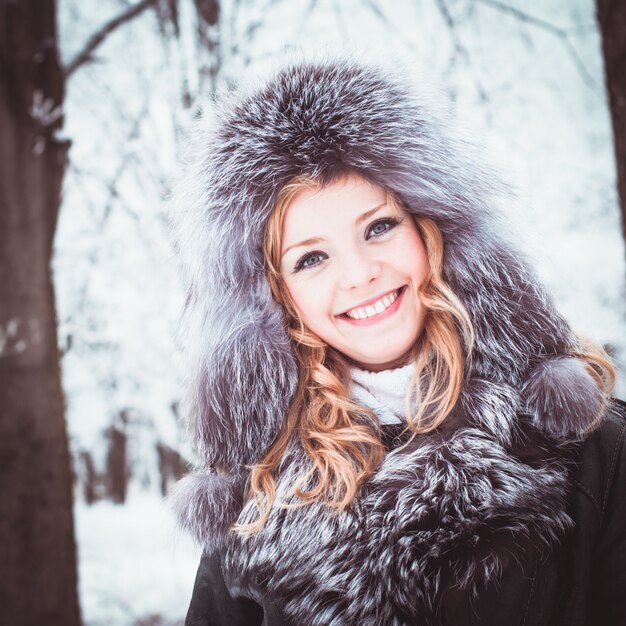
(447, 511)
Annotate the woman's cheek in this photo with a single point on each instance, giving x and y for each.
(303, 294)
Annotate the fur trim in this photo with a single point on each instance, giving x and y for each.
(206, 506)
(437, 516)
(563, 398)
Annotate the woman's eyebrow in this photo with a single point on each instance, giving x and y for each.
(314, 240)
(369, 213)
(306, 242)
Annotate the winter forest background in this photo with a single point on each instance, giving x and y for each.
(525, 80)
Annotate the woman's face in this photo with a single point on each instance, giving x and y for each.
(353, 265)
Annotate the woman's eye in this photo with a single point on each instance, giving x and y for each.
(380, 227)
(311, 259)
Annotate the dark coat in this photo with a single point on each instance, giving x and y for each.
(582, 582)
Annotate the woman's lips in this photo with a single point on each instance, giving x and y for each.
(378, 317)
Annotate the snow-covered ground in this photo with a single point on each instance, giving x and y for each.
(135, 569)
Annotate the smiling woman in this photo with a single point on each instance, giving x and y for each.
(394, 423)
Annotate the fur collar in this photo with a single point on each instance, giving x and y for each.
(449, 509)
(445, 513)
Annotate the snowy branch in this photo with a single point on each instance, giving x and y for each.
(376, 10)
(459, 48)
(86, 55)
(558, 32)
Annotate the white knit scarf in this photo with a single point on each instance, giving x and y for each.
(383, 392)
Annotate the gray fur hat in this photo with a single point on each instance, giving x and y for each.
(323, 118)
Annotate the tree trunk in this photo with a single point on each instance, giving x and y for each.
(116, 469)
(611, 16)
(38, 564)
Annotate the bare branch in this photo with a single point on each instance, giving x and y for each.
(522, 15)
(560, 33)
(99, 36)
(383, 18)
(458, 44)
(114, 199)
(250, 31)
(459, 48)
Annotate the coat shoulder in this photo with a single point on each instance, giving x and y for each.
(602, 460)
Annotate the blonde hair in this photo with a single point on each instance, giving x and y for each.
(341, 437)
(601, 368)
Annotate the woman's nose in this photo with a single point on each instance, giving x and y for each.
(358, 269)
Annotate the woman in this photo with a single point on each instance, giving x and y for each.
(394, 424)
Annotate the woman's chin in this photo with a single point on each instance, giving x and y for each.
(380, 362)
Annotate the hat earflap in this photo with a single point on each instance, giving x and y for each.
(206, 505)
(562, 397)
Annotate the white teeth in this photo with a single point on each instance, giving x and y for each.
(374, 309)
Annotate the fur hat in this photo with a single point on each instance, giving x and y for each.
(323, 118)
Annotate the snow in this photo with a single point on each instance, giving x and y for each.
(531, 97)
(134, 566)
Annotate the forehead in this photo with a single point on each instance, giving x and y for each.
(328, 208)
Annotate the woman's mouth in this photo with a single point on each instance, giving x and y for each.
(382, 308)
